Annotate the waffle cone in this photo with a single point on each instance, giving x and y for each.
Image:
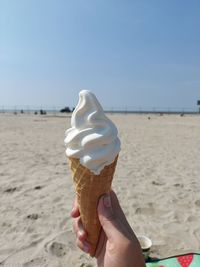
(89, 187)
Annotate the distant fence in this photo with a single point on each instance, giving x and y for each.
(29, 108)
(123, 109)
(140, 109)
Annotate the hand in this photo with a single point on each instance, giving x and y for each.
(118, 245)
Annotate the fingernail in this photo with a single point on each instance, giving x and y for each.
(80, 233)
(86, 247)
(107, 201)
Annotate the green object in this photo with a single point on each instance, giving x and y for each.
(186, 260)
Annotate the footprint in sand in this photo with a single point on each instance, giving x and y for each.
(58, 249)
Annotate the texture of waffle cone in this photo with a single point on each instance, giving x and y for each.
(89, 188)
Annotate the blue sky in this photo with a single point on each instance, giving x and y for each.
(129, 53)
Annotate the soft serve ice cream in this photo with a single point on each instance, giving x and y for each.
(92, 148)
(92, 138)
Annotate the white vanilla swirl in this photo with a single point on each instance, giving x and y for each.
(92, 137)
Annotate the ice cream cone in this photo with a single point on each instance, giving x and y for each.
(89, 187)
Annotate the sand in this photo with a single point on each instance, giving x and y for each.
(157, 182)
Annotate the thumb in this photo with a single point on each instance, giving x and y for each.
(110, 216)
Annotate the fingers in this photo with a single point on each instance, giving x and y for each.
(77, 224)
(79, 230)
(83, 245)
(75, 210)
(81, 235)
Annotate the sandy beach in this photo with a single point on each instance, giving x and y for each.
(156, 180)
